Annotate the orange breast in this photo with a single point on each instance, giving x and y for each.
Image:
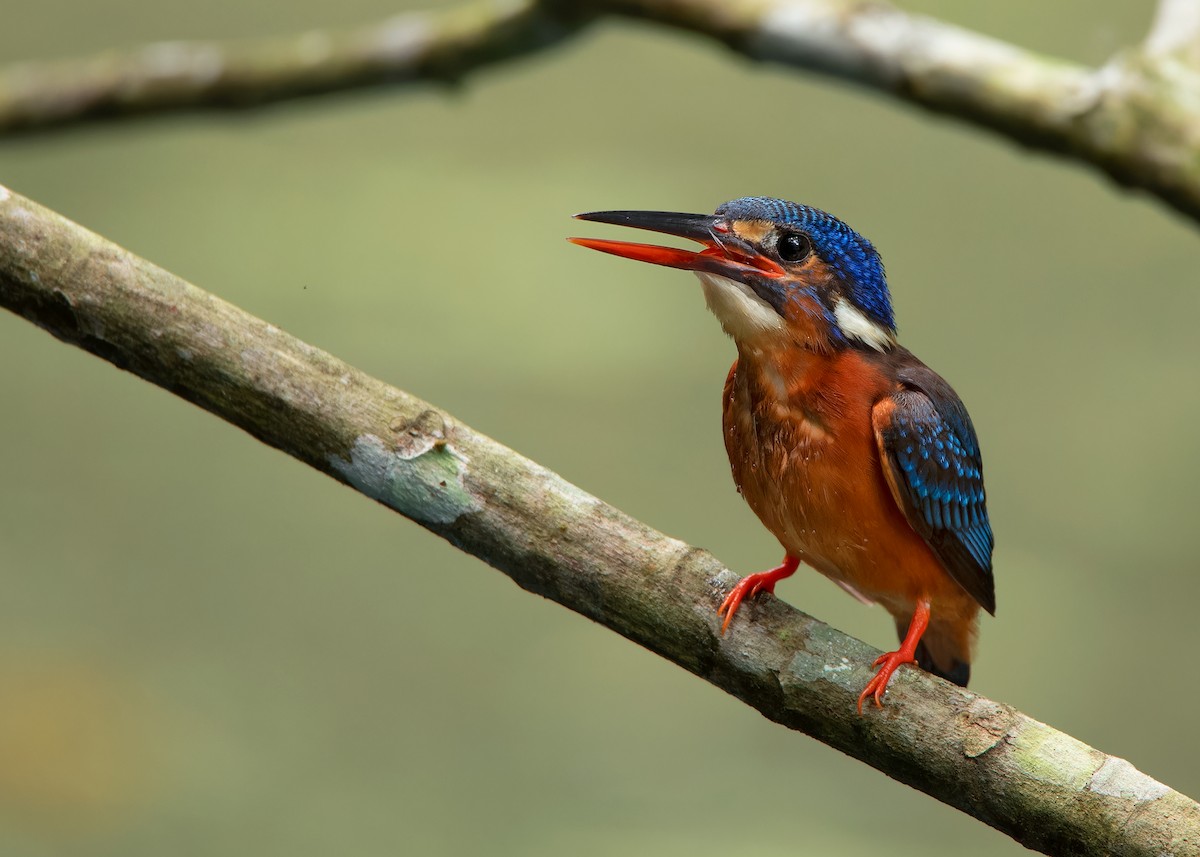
(803, 452)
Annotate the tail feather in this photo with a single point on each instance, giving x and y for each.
(958, 672)
(945, 650)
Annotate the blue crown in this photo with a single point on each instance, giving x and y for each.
(852, 258)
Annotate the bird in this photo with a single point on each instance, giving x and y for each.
(860, 459)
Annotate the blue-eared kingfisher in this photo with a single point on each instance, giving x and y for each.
(859, 458)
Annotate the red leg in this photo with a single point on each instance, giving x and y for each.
(751, 585)
(888, 663)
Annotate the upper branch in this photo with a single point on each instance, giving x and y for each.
(1137, 117)
(1176, 32)
(1044, 788)
(173, 76)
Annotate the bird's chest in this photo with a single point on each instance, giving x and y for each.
(803, 454)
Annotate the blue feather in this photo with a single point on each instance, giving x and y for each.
(931, 446)
(851, 256)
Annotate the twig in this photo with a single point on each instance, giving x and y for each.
(1044, 788)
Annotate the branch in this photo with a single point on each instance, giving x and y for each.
(1176, 32)
(1132, 118)
(1042, 787)
(1136, 118)
(172, 76)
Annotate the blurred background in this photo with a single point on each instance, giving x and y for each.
(206, 648)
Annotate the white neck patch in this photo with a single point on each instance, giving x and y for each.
(855, 325)
(744, 315)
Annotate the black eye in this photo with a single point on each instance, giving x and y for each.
(793, 246)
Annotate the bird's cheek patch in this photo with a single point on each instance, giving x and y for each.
(753, 231)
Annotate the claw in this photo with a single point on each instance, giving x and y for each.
(889, 662)
(751, 585)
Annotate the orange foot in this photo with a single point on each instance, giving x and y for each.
(891, 661)
(875, 687)
(752, 584)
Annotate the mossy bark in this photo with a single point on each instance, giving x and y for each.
(1042, 787)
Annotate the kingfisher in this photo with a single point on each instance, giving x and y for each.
(860, 459)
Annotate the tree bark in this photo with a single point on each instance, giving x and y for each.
(1044, 788)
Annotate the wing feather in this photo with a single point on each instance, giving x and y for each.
(934, 468)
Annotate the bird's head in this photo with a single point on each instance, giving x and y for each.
(774, 272)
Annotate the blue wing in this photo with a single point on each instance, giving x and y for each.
(932, 463)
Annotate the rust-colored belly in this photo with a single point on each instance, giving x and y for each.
(804, 456)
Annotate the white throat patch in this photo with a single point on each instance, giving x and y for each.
(855, 325)
(744, 315)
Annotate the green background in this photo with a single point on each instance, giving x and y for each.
(206, 648)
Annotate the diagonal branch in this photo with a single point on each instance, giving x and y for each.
(1136, 118)
(1044, 788)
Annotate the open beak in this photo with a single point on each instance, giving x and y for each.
(724, 253)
